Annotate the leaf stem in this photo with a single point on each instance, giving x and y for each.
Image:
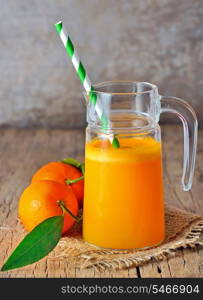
(65, 209)
(71, 181)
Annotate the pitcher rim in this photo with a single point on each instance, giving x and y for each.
(152, 87)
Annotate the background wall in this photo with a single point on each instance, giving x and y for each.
(160, 41)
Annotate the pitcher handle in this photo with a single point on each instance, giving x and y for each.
(189, 120)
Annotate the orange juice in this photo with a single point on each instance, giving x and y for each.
(123, 205)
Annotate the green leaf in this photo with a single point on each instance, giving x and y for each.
(83, 168)
(73, 162)
(36, 244)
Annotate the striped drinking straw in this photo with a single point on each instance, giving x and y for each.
(84, 78)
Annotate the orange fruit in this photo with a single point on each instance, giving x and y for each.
(61, 172)
(39, 202)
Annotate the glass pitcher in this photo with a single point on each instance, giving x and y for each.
(123, 202)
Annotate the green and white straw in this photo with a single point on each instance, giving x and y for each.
(84, 78)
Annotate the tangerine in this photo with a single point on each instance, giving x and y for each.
(62, 173)
(39, 201)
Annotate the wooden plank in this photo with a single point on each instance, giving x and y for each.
(22, 152)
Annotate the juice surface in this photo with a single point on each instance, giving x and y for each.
(123, 205)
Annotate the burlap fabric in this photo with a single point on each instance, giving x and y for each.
(183, 229)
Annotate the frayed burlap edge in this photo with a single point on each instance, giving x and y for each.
(72, 249)
(135, 260)
(82, 255)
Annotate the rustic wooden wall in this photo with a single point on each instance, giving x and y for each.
(160, 41)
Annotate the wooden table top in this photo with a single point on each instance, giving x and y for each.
(23, 151)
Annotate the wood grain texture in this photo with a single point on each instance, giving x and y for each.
(23, 151)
